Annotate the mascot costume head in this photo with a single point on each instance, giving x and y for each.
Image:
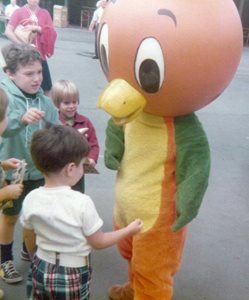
(164, 59)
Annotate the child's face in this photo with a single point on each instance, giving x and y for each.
(28, 78)
(3, 125)
(68, 108)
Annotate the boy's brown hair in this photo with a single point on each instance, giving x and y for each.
(19, 54)
(54, 146)
(3, 104)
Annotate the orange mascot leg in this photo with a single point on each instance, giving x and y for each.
(156, 258)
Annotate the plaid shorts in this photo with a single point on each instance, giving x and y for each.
(48, 281)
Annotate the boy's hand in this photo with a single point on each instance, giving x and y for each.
(91, 162)
(83, 131)
(32, 115)
(135, 226)
(13, 191)
(11, 163)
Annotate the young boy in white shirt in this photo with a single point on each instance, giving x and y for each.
(62, 225)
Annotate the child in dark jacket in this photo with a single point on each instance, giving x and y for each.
(66, 98)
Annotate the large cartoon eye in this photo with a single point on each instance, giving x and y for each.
(149, 65)
(104, 49)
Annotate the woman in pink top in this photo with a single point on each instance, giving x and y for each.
(33, 17)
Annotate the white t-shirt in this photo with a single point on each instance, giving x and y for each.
(98, 14)
(61, 218)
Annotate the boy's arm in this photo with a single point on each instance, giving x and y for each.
(92, 25)
(100, 239)
(19, 117)
(5, 194)
(11, 163)
(29, 239)
(51, 113)
(15, 114)
(93, 22)
(11, 191)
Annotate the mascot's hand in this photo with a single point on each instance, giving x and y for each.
(114, 145)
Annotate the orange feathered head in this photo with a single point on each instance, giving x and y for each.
(179, 54)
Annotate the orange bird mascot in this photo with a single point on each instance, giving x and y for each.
(164, 59)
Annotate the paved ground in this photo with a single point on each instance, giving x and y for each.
(215, 263)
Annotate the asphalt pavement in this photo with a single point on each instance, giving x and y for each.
(215, 264)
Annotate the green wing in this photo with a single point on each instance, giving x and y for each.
(114, 145)
(192, 168)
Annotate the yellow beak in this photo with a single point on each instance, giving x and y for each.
(121, 101)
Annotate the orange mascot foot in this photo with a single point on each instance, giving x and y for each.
(121, 292)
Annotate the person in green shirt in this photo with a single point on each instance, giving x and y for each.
(28, 110)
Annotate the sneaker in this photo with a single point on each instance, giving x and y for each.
(1, 294)
(25, 256)
(8, 272)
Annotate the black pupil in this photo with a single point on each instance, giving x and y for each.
(149, 76)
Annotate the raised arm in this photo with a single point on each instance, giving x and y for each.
(100, 239)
